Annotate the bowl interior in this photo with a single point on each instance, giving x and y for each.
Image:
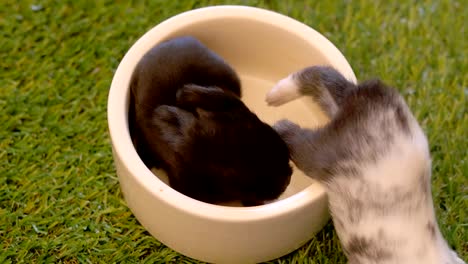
(262, 53)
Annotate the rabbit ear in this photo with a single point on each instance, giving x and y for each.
(193, 96)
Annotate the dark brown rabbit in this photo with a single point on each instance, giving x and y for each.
(187, 118)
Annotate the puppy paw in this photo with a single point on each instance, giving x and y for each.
(284, 91)
(286, 129)
(300, 142)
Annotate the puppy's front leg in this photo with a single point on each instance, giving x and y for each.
(302, 143)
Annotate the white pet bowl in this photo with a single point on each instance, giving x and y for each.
(263, 47)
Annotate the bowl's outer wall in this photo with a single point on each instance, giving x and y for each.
(220, 241)
(255, 42)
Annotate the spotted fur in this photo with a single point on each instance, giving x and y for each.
(374, 161)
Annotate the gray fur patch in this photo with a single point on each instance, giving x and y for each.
(424, 184)
(402, 119)
(367, 248)
(430, 226)
(369, 200)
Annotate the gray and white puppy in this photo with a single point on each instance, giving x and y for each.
(374, 161)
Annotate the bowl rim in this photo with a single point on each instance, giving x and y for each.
(118, 104)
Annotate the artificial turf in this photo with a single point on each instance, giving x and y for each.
(60, 200)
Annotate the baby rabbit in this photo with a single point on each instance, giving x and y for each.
(187, 118)
(374, 161)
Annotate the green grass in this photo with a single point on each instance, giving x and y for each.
(59, 196)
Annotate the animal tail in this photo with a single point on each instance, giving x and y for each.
(324, 84)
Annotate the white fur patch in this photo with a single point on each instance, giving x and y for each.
(399, 169)
(284, 91)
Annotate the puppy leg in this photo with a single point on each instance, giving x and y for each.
(302, 144)
(326, 86)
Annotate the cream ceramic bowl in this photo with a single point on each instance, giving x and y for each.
(263, 47)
